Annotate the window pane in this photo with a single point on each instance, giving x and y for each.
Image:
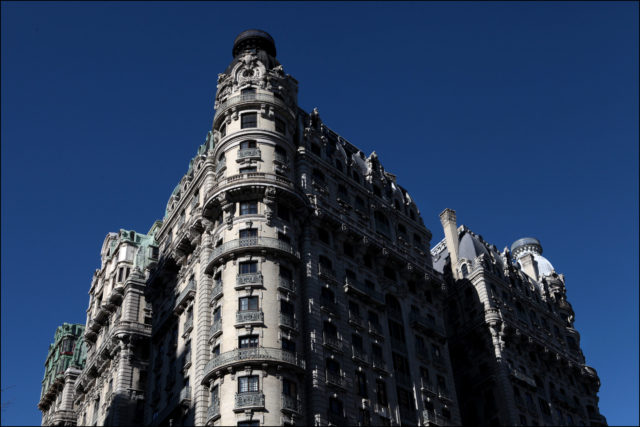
(249, 120)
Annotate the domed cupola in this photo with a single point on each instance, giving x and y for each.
(528, 253)
(254, 42)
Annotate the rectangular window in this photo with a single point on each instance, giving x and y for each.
(248, 303)
(248, 384)
(248, 208)
(248, 169)
(247, 267)
(249, 120)
(381, 392)
(280, 126)
(120, 274)
(249, 341)
(248, 232)
(248, 144)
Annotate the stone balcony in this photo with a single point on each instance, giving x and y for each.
(250, 178)
(249, 400)
(358, 355)
(249, 99)
(123, 327)
(356, 320)
(249, 153)
(245, 243)
(249, 280)
(376, 329)
(187, 294)
(252, 356)
(188, 326)
(249, 317)
(327, 274)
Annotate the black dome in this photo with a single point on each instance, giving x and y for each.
(254, 38)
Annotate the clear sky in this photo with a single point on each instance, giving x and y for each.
(523, 117)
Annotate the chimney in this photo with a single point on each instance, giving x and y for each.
(529, 266)
(448, 220)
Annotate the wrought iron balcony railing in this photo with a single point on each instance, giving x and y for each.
(359, 354)
(290, 403)
(213, 412)
(188, 325)
(185, 396)
(216, 328)
(248, 280)
(336, 379)
(430, 418)
(332, 341)
(288, 321)
(217, 291)
(282, 158)
(376, 329)
(187, 293)
(357, 320)
(248, 97)
(251, 399)
(358, 288)
(327, 273)
(287, 284)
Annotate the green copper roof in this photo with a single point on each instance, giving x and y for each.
(67, 350)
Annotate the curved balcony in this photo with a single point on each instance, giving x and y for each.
(257, 356)
(245, 243)
(291, 404)
(250, 178)
(287, 285)
(127, 327)
(249, 99)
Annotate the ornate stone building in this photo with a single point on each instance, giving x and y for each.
(64, 362)
(290, 282)
(515, 352)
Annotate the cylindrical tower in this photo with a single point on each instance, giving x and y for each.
(255, 370)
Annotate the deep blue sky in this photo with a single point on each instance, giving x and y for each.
(520, 116)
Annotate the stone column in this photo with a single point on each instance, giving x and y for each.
(203, 318)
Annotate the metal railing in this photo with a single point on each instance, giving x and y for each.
(253, 316)
(185, 395)
(214, 410)
(188, 324)
(247, 242)
(288, 320)
(282, 158)
(249, 153)
(217, 291)
(357, 320)
(326, 273)
(359, 354)
(248, 97)
(216, 328)
(523, 377)
(332, 341)
(249, 279)
(188, 292)
(360, 288)
(287, 284)
(290, 403)
(375, 328)
(257, 354)
(430, 418)
(251, 399)
(378, 363)
(335, 378)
